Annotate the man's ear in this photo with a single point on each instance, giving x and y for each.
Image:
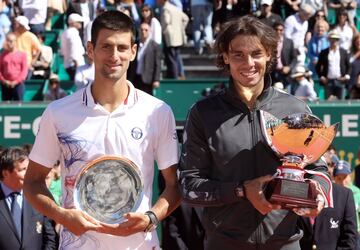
(225, 58)
(133, 51)
(90, 50)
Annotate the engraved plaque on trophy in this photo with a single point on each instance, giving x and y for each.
(107, 188)
(298, 140)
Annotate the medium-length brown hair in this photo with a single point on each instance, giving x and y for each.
(246, 26)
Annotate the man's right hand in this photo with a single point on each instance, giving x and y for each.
(78, 222)
(255, 194)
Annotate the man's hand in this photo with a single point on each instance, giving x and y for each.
(135, 222)
(78, 222)
(254, 193)
(308, 212)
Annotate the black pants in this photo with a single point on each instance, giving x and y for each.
(13, 94)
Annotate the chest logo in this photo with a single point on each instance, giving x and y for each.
(334, 224)
(136, 133)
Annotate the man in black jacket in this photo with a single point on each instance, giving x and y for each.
(226, 162)
(333, 67)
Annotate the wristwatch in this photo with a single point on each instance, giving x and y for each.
(154, 221)
(240, 191)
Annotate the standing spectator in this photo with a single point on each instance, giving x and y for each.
(147, 16)
(13, 70)
(148, 62)
(355, 60)
(84, 8)
(318, 42)
(54, 7)
(35, 11)
(267, 16)
(305, 88)
(225, 176)
(5, 23)
(285, 58)
(345, 30)
(84, 74)
(27, 42)
(355, 89)
(43, 63)
(202, 13)
(333, 68)
(54, 92)
(22, 226)
(286, 8)
(108, 117)
(319, 15)
(71, 45)
(173, 23)
(131, 6)
(296, 27)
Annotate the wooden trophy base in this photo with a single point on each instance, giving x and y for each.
(291, 193)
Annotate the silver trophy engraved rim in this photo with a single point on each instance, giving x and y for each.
(107, 188)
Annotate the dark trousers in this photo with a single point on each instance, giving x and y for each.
(336, 88)
(13, 94)
(139, 84)
(71, 72)
(172, 55)
(37, 28)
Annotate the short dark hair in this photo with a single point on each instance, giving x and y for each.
(112, 20)
(247, 26)
(8, 158)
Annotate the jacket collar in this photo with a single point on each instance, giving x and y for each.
(265, 96)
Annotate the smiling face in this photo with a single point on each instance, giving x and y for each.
(247, 59)
(112, 54)
(15, 178)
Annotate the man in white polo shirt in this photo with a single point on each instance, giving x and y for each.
(108, 117)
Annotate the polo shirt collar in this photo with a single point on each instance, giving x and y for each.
(88, 99)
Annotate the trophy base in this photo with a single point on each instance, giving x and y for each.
(291, 193)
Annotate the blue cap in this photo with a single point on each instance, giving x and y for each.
(342, 167)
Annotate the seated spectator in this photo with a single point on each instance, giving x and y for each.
(84, 74)
(43, 63)
(54, 91)
(305, 88)
(13, 70)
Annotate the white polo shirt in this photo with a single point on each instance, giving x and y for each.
(77, 130)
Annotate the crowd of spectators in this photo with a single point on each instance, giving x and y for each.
(305, 28)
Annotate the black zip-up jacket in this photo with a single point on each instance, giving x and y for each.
(223, 147)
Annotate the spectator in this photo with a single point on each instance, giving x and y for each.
(131, 6)
(286, 8)
(42, 66)
(266, 15)
(202, 13)
(305, 88)
(54, 7)
(23, 227)
(296, 27)
(35, 11)
(71, 45)
(317, 43)
(355, 89)
(333, 68)
(13, 70)
(320, 15)
(54, 91)
(148, 62)
(173, 23)
(26, 41)
(5, 23)
(344, 5)
(345, 30)
(354, 60)
(84, 8)
(147, 16)
(286, 57)
(84, 74)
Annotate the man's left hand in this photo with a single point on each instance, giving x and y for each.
(135, 222)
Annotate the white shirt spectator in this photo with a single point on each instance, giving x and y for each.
(306, 90)
(156, 30)
(334, 64)
(34, 10)
(72, 48)
(84, 75)
(346, 36)
(295, 29)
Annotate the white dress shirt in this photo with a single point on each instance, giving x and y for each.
(72, 48)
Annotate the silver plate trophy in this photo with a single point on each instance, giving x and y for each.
(107, 188)
(298, 140)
